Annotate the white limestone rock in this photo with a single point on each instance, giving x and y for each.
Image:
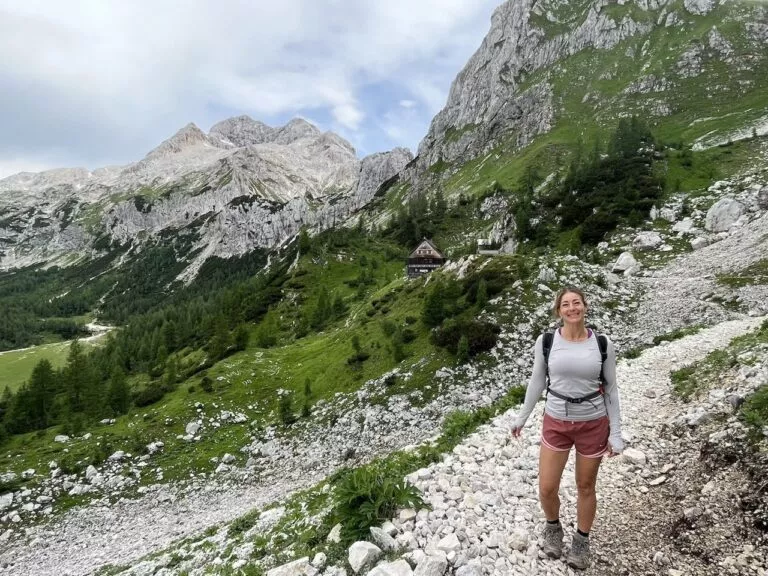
(396, 568)
(723, 214)
(685, 226)
(647, 241)
(62, 438)
(700, 7)
(6, 500)
(383, 540)
(117, 456)
(699, 243)
(431, 566)
(300, 567)
(363, 554)
(449, 543)
(634, 456)
(626, 264)
(192, 428)
(334, 536)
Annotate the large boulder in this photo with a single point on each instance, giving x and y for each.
(647, 241)
(626, 264)
(723, 214)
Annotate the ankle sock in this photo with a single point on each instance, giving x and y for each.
(553, 522)
(580, 533)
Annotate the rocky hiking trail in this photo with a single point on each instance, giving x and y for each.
(485, 514)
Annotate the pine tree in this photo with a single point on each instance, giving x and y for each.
(242, 335)
(41, 395)
(434, 306)
(119, 395)
(75, 378)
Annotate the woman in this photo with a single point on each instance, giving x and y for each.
(575, 414)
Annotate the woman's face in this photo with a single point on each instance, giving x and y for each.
(572, 309)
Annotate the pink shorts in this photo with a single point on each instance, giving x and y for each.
(590, 437)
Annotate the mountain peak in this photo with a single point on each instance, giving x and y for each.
(185, 138)
(241, 131)
(295, 130)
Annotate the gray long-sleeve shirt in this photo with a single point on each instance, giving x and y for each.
(574, 372)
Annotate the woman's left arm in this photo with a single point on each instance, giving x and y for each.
(612, 403)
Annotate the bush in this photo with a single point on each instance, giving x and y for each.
(407, 335)
(369, 495)
(481, 336)
(243, 523)
(285, 410)
(148, 395)
(206, 384)
(755, 409)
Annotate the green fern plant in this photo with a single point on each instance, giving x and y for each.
(370, 495)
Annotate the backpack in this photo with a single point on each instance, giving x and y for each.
(602, 344)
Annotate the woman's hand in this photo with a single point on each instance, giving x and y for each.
(611, 451)
(517, 428)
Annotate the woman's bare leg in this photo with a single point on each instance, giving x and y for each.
(586, 478)
(551, 466)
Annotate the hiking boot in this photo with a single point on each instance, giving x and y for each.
(553, 540)
(578, 555)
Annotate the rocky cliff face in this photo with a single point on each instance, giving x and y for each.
(244, 185)
(590, 62)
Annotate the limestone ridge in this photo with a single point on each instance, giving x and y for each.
(519, 82)
(244, 185)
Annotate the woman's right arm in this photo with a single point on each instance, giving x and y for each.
(536, 386)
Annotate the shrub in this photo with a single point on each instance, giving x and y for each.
(149, 395)
(369, 495)
(481, 336)
(243, 523)
(206, 384)
(407, 335)
(285, 410)
(755, 409)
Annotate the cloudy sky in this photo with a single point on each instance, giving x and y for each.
(94, 83)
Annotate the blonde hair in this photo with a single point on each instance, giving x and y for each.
(559, 298)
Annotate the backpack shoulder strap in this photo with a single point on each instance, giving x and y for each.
(602, 344)
(546, 345)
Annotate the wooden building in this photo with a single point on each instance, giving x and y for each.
(424, 259)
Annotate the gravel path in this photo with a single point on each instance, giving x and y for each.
(486, 491)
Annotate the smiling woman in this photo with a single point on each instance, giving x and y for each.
(577, 367)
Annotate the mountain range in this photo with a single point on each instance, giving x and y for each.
(279, 404)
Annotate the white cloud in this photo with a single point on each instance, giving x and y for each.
(348, 115)
(136, 71)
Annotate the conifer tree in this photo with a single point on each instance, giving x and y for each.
(41, 395)
(119, 395)
(241, 337)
